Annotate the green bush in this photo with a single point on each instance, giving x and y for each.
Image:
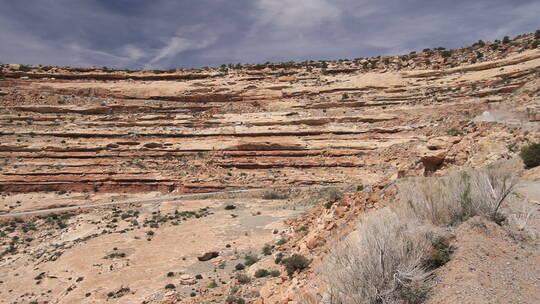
(25, 68)
(454, 132)
(230, 207)
(531, 155)
(239, 266)
(243, 278)
(234, 300)
(302, 228)
(281, 241)
(446, 54)
(279, 258)
(267, 249)
(170, 286)
(414, 295)
(296, 262)
(261, 273)
(115, 255)
(275, 273)
(250, 259)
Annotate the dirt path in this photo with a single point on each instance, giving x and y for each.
(161, 199)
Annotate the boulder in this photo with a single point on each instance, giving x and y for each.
(433, 162)
(187, 280)
(442, 142)
(208, 256)
(314, 242)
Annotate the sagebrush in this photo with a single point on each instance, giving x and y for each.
(531, 155)
(390, 257)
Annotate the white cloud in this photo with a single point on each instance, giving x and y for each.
(176, 45)
(134, 53)
(81, 51)
(293, 14)
(123, 56)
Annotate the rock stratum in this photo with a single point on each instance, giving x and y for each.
(73, 136)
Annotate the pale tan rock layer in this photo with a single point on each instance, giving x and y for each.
(107, 131)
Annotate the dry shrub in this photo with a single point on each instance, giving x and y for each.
(520, 220)
(388, 260)
(452, 199)
(382, 264)
(274, 195)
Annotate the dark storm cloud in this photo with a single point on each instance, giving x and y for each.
(166, 34)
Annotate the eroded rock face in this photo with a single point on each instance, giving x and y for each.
(140, 136)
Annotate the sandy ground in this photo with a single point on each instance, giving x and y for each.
(489, 266)
(494, 264)
(81, 274)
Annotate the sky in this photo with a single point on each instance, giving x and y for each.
(163, 34)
